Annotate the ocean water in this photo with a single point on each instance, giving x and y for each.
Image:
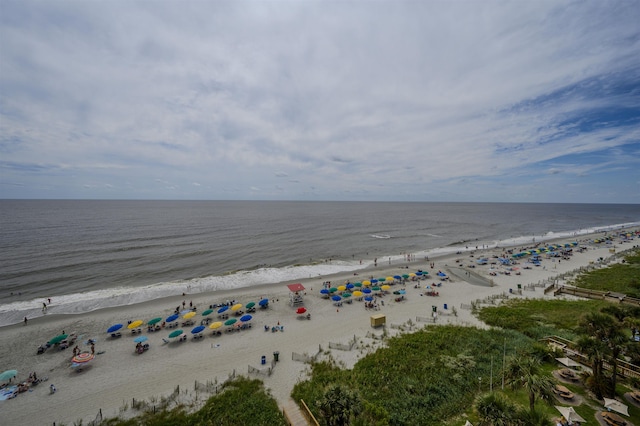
(87, 255)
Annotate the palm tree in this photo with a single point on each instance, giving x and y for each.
(338, 404)
(524, 371)
(594, 350)
(609, 337)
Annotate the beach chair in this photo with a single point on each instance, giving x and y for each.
(613, 419)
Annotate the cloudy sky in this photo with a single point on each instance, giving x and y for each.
(523, 101)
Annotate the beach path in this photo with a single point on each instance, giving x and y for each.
(293, 414)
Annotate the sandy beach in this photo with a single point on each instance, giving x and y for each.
(109, 383)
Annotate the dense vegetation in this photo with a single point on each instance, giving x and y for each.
(421, 378)
(243, 402)
(619, 278)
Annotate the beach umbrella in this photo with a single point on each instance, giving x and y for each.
(246, 318)
(397, 277)
(135, 324)
(175, 333)
(215, 325)
(114, 328)
(366, 282)
(197, 329)
(250, 305)
(224, 308)
(358, 284)
(412, 274)
(357, 293)
(8, 374)
(374, 281)
(82, 358)
(336, 298)
(375, 288)
(333, 290)
(301, 310)
(350, 286)
(207, 312)
(263, 302)
(368, 298)
(346, 294)
(230, 321)
(381, 280)
(366, 291)
(342, 287)
(570, 414)
(59, 338)
(401, 291)
(189, 314)
(172, 318)
(615, 405)
(154, 321)
(140, 339)
(385, 287)
(236, 307)
(324, 291)
(389, 279)
(405, 276)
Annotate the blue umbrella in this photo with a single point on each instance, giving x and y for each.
(172, 318)
(197, 329)
(442, 274)
(419, 273)
(114, 327)
(367, 290)
(336, 298)
(263, 302)
(221, 310)
(140, 339)
(368, 298)
(397, 277)
(401, 292)
(324, 291)
(350, 285)
(373, 281)
(246, 318)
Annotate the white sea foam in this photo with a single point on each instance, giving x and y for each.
(14, 312)
(89, 301)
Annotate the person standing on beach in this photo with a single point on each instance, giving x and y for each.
(25, 320)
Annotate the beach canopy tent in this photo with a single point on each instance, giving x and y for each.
(615, 405)
(295, 296)
(570, 414)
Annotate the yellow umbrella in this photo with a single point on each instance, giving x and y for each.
(135, 324)
(236, 307)
(189, 315)
(215, 325)
(342, 288)
(366, 282)
(412, 274)
(389, 279)
(357, 293)
(385, 287)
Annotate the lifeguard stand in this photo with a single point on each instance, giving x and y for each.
(295, 295)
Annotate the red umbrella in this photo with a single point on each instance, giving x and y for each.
(301, 310)
(82, 357)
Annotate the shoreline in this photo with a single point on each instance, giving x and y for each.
(92, 300)
(117, 374)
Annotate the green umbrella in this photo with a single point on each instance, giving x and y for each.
(333, 290)
(405, 276)
(154, 321)
(9, 374)
(175, 334)
(207, 312)
(250, 305)
(230, 321)
(58, 339)
(376, 288)
(358, 284)
(345, 294)
(383, 279)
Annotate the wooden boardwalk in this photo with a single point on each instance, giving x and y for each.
(293, 414)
